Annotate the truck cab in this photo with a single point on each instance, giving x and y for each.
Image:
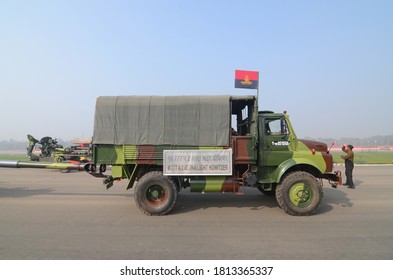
(267, 143)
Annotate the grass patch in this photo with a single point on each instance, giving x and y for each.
(20, 157)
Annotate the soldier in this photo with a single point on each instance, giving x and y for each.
(348, 157)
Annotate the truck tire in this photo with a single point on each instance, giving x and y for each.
(155, 194)
(299, 194)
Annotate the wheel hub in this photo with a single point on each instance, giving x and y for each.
(155, 194)
(300, 194)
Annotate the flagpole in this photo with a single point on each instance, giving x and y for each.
(258, 93)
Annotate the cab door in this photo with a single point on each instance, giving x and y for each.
(275, 137)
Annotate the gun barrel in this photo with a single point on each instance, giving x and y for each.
(9, 163)
(60, 166)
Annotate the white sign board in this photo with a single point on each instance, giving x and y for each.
(198, 162)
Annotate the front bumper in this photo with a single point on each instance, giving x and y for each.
(334, 178)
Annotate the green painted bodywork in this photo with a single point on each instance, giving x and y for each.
(301, 156)
(207, 184)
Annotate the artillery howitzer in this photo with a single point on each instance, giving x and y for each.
(49, 150)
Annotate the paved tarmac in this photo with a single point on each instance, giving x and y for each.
(45, 215)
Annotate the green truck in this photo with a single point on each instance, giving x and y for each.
(164, 144)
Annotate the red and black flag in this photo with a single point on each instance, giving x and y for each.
(246, 79)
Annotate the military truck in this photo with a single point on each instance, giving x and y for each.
(164, 144)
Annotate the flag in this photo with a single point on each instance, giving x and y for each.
(246, 79)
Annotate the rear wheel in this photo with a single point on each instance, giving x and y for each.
(299, 194)
(155, 194)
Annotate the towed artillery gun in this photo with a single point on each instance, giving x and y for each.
(49, 150)
(163, 144)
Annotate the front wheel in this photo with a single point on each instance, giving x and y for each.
(155, 194)
(299, 194)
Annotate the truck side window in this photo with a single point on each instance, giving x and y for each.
(276, 127)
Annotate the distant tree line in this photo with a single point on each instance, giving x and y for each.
(12, 145)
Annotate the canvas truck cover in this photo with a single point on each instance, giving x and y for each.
(162, 120)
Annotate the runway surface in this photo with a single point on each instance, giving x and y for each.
(45, 214)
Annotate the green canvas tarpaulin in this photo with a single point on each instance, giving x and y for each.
(160, 120)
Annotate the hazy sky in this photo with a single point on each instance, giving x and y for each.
(328, 63)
